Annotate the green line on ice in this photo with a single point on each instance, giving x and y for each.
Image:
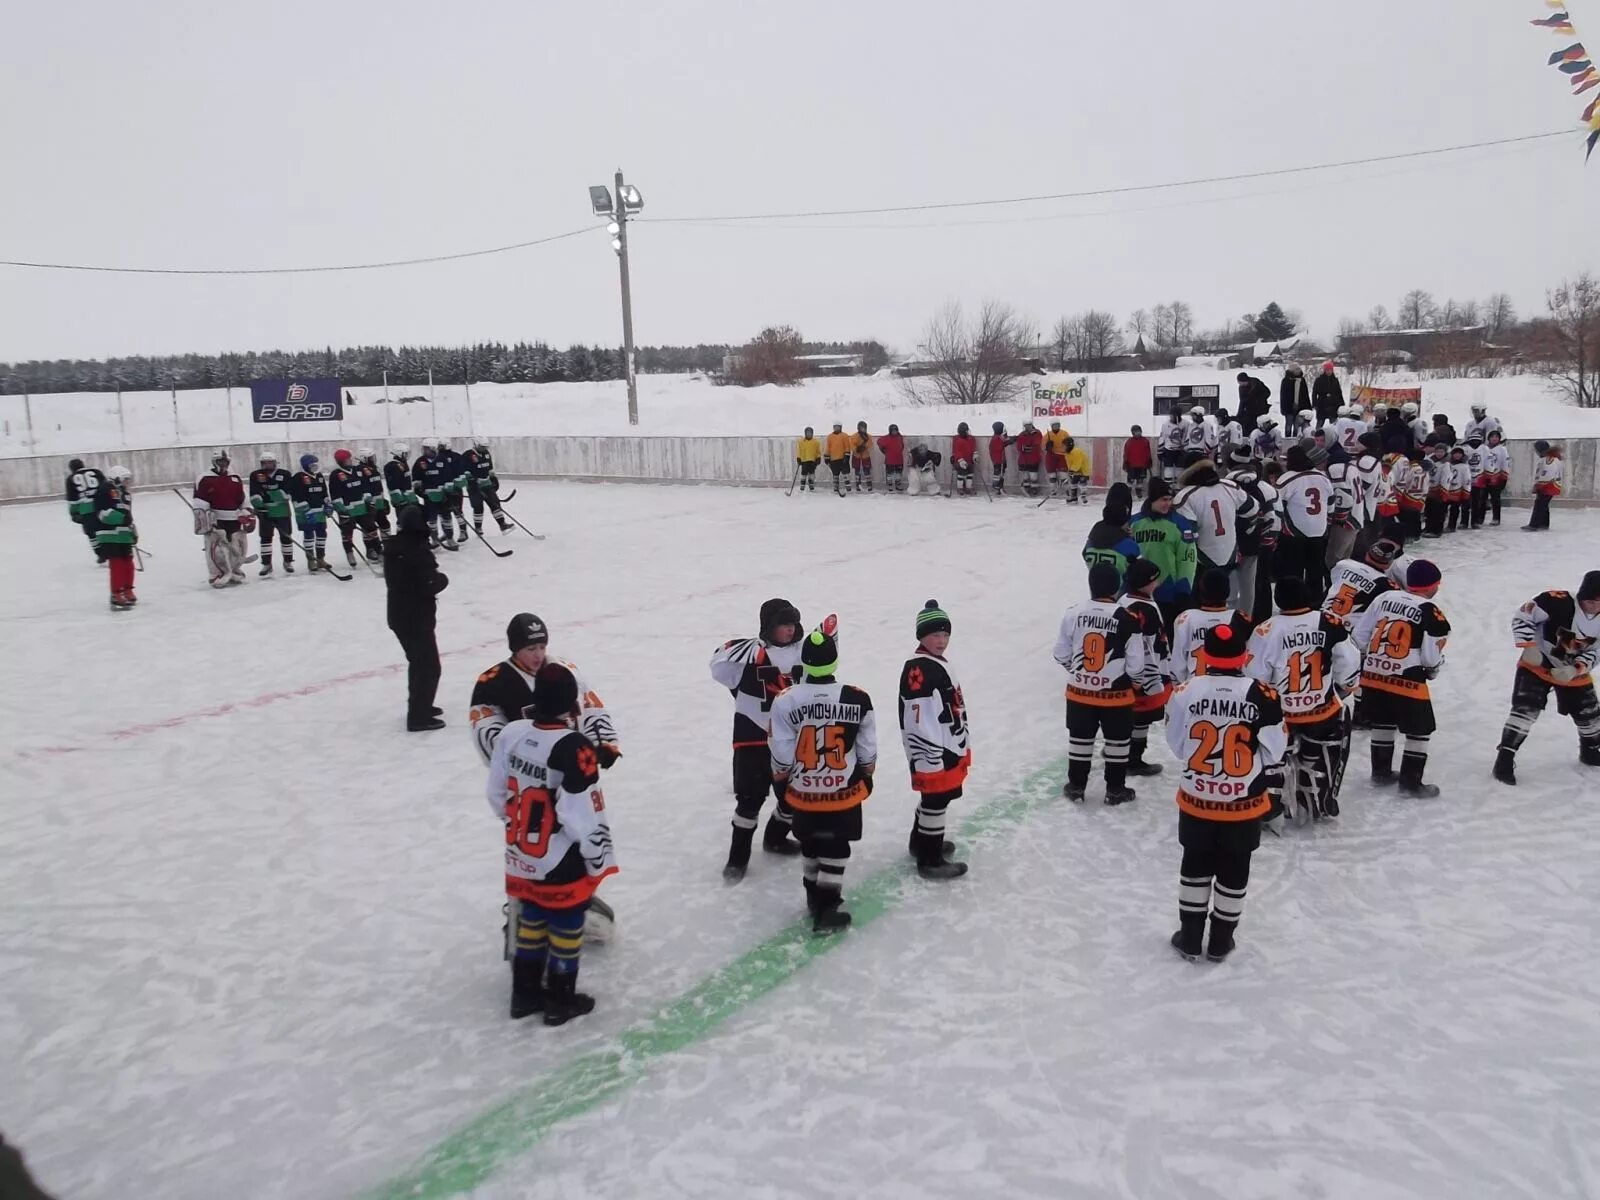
(476, 1151)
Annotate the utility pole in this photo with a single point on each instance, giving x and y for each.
(627, 303)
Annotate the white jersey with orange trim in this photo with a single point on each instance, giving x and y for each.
(1402, 638)
(1346, 432)
(1497, 463)
(1369, 474)
(1102, 648)
(1309, 659)
(933, 724)
(1216, 509)
(1547, 474)
(1306, 498)
(1566, 638)
(1228, 732)
(1188, 639)
(823, 742)
(1352, 586)
(505, 689)
(756, 672)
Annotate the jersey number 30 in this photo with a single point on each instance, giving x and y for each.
(530, 818)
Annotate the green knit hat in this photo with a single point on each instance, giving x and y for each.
(819, 655)
(932, 619)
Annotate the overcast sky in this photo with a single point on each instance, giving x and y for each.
(168, 134)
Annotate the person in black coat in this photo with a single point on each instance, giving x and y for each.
(1293, 398)
(1255, 401)
(413, 579)
(1396, 433)
(1327, 396)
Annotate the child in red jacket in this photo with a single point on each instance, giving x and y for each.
(1136, 460)
(1030, 455)
(997, 456)
(963, 458)
(893, 447)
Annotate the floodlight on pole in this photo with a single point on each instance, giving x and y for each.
(629, 200)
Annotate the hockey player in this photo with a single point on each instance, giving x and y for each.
(433, 489)
(997, 456)
(1546, 485)
(1420, 427)
(937, 739)
(505, 689)
(453, 469)
(1437, 502)
(115, 535)
(1459, 499)
(924, 471)
(82, 483)
(1478, 494)
(372, 485)
(1309, 660)
(1199, 437)
(1496, 472)
(1167, 539)
(1189, 630)
(1171, 440)
(1264, 444)
(1110, 540)
(1481, 425)
(892, 446)
(1136, 461)
(1258, 534)
(1357, 583)
(1078, 472)
(1305, 497)
(838, 448)
(483, 485)
(1348, 429)
(963, 457)
(269, 497)
(219, 516)
(824, 749)
(347, 492)
(1229, 434)
(807, 454)
(1055, 454)
(1409, 479)
(1559, 637)
(1402, 636)
(544, 782)
(861, 456)
(1344, 511)
(1030, 456)
(1367, 470)
(309, 492)
(1153, 685)
(1215, 506)
(1228, 733)
(1102, 649)
(756, 671)
(397, 477)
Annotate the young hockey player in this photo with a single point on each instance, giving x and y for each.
(1459, 499)
(347, 492)
(1167, 539)
(1136, 461)
(219, 513)
(269, 497)
(1305, 497)
(1546, 485)
(433, 488)
(397, 477)
(1409, 479)
(1348, 430)
(1172, 439)
(1437, 502)
(1344, 510)
(1411, 412)
(1215, 506)
(506, 688)
(309, 491)
(1481, 425)
(824, 749)
(924, 471)
(1367, 470)
(1153, 685)
(892, 446)
(453, 469)
(115, 535)
(755, 671)
(861, 456)
(1402, 636)
(964, 457)
(544, 782)
(807, 454)
(1356, 583)
(1101, 646)
(838, 448)
(997, 456)
(1229, 434)
(82, 483)
(1264, 444)
(1055, 455)
(1078, 472)
(1258, 533)
(1478, 495)
(377, 503)
(1189, 630)
(483, 486)
(1199, 437)
(933, 728)
(1030, 456)
(1559, 636)
(1110, 540)
(1496, 472)
(1309, 660)
(1228, 733)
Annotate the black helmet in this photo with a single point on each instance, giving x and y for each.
(894, 428)
(810, 432)
(75, 465)
(526, 630)
(999, 426)
(962, 429)
(555, 694)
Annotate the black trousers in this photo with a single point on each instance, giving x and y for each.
(1495, 492)
(1541, 512)
(1214, 875)
(752, 784)
(1433, 513)
(422, 671)
(1529, 696)
(481, 496)
(1112, 721)
(1479, 506)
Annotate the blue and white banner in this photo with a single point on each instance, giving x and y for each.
(296, 400)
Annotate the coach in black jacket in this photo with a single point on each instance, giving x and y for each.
(413, 579)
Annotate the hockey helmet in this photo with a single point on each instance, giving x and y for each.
(1266, 421)
(428, 449)
(308, 463)
(220, 460)
(367, 455)
(119, 474)
(1480, 410)
(962, 430)
(341, 456)
(999, 426)
(269, 457)
(1197, 411)
(399, 453)
(1306, 415)
(481, 444)
(1409, 409)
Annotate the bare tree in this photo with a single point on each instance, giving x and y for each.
(1161, 325)
(1061, 340)
(1450, 315)
(1417, 310)
(977, 361)
(1575, 311)
(1097, 335)
(1182, 318)
(1378, 318)
(1498, 314)
(1470, 313)
(1349, 327)
(773, 357)
(1139, 323)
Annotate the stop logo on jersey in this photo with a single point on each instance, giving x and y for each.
(1228, 733)
(821, 733)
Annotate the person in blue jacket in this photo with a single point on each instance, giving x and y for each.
(1168, 539)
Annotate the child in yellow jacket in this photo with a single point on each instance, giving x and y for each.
(807, 454)
(838, 456)
(1078, 472)
(861, 455)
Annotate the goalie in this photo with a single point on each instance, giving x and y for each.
(222, 519)
(924, 479)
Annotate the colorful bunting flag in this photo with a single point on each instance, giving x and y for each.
(1576, 64)
(1571, 53)
(1560, 23)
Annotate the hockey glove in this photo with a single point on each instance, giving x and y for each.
(439, 582)
(1531, 657)
(607, 754)
(1563, 674)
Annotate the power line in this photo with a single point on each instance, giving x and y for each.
(1116, 191)
(373, 266)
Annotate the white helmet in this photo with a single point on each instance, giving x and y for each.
(1352, 410)
(219, 459)
(1306, 415)
(1197, 411)
(400, 450)
(1479, 410)
(1410, 409)
(120, 474)
(269, 457)
(1266, 421)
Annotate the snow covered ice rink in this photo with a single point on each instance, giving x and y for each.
(249, 928)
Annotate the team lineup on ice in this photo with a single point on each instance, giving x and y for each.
(291, 987)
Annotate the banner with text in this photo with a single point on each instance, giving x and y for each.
(296, 400)
(1059, 399)
(1377, 395)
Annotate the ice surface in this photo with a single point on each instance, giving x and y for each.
(248, 927)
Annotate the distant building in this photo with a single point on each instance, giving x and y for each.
(1416, 347)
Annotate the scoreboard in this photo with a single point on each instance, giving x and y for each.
(1207, 395)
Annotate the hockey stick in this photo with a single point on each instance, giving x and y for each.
(477, 533)
(311, 560)
(504, 500)
(538, 537)
(794, 481)
(139, 556)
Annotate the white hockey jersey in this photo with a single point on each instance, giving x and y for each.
(1308, 657)
(1352, 586)
(756, 673)
(505, 689)
(543, 783)
(1345, 498)
(1305, 497)
(1346, 433)
(1482, 428)
(1189, 636)
(933, 724)
(1228, 732)
(1216, 509)
(1547, 475)
(1369, 473)
(1156, 678)
(1230, 434)
(1101, 647)
(1173, 436)
(1497, 463)
(1566, 638)
(1264, 445)
(1200, 437)
(1461, 476)
(1402, 638)
(824, 742)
